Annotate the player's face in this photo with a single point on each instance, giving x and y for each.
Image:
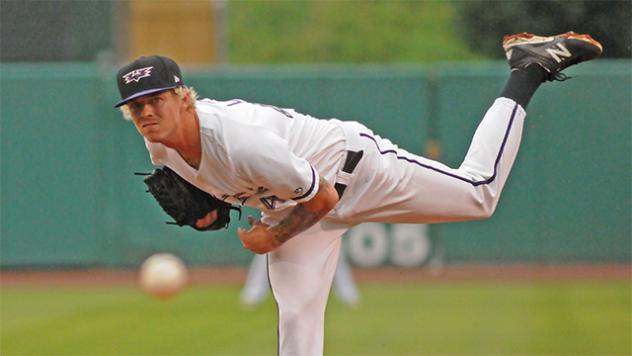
(156, 116)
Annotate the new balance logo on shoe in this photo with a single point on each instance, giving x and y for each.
(556, 53)
(553, 53)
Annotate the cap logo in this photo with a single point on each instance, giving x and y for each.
(137, 74)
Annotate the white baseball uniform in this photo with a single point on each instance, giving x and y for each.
(271, 159)
(257, 285)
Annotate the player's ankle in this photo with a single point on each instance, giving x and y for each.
(523, 83)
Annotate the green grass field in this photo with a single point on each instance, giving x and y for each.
(466, 318)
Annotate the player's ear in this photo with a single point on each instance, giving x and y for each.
(186, 99)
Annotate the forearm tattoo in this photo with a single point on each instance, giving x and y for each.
(299, 219)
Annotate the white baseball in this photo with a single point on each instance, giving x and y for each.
(163, 275)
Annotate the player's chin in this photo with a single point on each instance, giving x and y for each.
(152, 135)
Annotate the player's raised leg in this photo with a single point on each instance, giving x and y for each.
(420, 190)
(301, 272)
(472, 191)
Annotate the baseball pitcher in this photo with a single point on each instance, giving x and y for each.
(313, 179)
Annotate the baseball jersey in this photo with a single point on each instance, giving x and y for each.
(258, 155)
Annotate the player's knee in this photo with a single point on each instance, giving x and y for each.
(299, 318)
(483, 210)
(290, 317)
(487, 212)
(484, 204)
(298, 312)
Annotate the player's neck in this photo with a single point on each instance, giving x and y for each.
(186, 140)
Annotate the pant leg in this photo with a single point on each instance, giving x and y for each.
(344, 285)
(256, 287)
(400, 187)
(301, 272)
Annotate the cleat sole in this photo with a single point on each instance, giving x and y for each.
(510, 41)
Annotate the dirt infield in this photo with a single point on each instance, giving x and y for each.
(237, 275)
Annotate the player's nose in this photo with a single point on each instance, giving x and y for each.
(147, 111)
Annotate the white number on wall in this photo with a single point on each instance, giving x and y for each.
(374, 244)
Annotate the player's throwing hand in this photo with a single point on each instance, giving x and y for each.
(258, 239)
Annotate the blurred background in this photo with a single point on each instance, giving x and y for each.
(421, 73)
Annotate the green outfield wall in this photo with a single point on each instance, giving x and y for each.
(69, 196)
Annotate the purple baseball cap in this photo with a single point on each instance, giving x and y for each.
(147, 75)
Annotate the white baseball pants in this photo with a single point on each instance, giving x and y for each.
(389, 185)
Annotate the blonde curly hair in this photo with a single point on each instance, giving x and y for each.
(180, 91)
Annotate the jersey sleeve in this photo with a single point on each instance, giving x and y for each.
(265, 159)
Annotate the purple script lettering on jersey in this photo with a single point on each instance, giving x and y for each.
(271, 201)
(242, 197)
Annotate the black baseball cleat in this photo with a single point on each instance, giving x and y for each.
(552, 53)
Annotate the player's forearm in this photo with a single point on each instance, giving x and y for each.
(304, 215)
(299, 220)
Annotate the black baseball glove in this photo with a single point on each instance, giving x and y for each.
(184, 202)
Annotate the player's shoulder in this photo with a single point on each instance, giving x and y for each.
(222, 105)
(208, 107)
(223, 125)
(210, 113)
(235, 109)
